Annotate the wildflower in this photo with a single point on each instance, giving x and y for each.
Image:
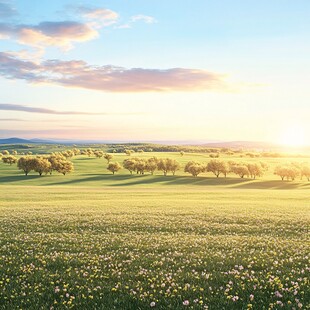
(185, 302)
(235, 298)
(278, 294)
(153, 304)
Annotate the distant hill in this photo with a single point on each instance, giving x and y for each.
(24, 141)
(242, 145)
(14, 141)
(245, 145)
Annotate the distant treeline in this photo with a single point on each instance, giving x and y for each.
(24, 149)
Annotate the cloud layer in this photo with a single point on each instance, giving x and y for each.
(62, 34)
(109, 78)
(22, 108)
(101, 16)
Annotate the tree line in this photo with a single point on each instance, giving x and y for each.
(41, 164)
(59, 162)
(168, 165)
(293, 171)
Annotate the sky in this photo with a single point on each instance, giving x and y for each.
(146, 70)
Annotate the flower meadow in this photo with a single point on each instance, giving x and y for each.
(103, 248)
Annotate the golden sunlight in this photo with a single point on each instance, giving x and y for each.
(294, 136)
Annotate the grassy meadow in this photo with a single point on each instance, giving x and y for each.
(92, 171)
(91, 240)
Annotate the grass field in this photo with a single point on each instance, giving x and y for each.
(91, 171)
(91, 240)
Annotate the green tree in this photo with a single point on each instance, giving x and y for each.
(108, 157)
(114, 167)
(130, 165)
(194, 168)
(26, 164)
(218, 167)
(41, 165)
(10, 160)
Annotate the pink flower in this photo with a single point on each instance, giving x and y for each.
(185, 302)
(278, 294)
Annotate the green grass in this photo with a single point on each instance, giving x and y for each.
(123, 248)
(90, 171)
(91, 240)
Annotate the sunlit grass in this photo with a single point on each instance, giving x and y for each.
(129, 248)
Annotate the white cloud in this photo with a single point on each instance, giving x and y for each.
(143, 18)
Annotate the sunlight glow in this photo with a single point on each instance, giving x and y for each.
(294, 136)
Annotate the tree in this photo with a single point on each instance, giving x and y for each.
(5, 152)
(293, 173)
(182, 153)
(60, 164)
(26, 164)
(98, 154)
(151, 165)
(68, 154)
(41, 165)
(305, 172)
(173, 166)
(14, 153)
(240, 170)
(76, 151)
(255, 170)
(290, 172)
(64, 167)
(129, 152)
(108, 157)
(140, 165)
(9, 160)
(281, 172)
(168, 165)
(130, 165)
(217, 167)
(163, 166)
(114, 167)
(89, 152)
(194, 168)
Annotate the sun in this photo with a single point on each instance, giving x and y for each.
(294, 136)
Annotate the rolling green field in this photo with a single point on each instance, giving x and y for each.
(91, 240)
(91, 171)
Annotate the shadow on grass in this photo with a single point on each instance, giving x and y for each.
(17, 178)
(136, 180)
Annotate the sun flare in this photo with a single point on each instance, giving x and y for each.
(294, 136)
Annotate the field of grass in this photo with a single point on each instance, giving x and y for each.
(91, 240)
(127, 248)
(91, 171)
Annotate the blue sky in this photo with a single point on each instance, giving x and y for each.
(244, 63)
